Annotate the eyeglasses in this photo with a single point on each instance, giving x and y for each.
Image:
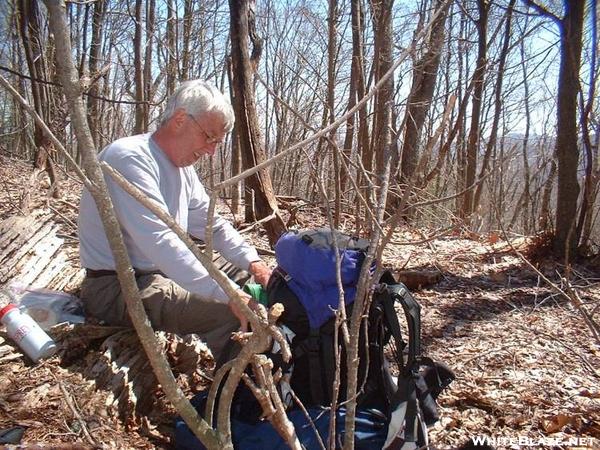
(209, 139)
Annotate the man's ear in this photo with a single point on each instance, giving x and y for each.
(178, 118)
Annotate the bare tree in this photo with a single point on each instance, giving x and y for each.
(424, 77)
(474, 132)
(35, 55)
(567, 150)
(242, 21)
(93, 105)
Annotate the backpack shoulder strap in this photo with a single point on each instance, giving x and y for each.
(412, 312)
(392, 292)
(310, 348)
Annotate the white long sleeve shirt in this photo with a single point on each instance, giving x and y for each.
(150, 243)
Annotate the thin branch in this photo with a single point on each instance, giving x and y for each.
(204, 257)
(542, 11)
(87, 94)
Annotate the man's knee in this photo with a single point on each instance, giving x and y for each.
(102, 300)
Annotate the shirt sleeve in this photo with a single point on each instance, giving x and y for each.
(149, 235)
(226, 240)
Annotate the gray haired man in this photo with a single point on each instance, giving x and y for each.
(178, 294)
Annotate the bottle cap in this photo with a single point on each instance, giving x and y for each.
(6, 309)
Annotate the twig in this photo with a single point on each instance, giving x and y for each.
(70, 403)
(584, 360)
(63, 217)
(307, 415)
(427, 239)
(10, 200)
(203, 257)
(258, 222)
(212, 393)
(265, 392)
(572, 298)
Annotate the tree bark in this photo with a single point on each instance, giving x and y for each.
(331, 67)
(567, 150)
(474, 132)
(171, 49)
(94, 119)
(382, 120)
(423, 85)
(140, 125)
(592, 175)
(358, 71)
(246, 117)
(35, 55)
(187, 34)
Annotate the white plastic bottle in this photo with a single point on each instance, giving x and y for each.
(27, 333)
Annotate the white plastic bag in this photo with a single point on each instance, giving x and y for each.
(48, 307)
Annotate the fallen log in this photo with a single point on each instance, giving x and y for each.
(418, 279)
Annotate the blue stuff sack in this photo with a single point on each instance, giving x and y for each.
(307, 259)
(370, 430)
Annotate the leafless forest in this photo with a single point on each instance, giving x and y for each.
(485, 109)
(404, 122)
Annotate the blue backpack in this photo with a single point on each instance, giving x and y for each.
(402, 386)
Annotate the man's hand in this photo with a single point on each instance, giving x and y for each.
(261, 272)
(237, 312)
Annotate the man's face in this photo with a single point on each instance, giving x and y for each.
(199, 136)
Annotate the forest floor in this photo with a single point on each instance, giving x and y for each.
(527, 367)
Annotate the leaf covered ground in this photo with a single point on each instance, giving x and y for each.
(527, 366)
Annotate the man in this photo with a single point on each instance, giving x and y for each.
(178, 294)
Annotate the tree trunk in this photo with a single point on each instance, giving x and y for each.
(358, 70)
(545, 220)
(187, 33)
(491, 145)
(423, 85)
(148, 88)
(31, 37)
(171, 50)
(241, 14)
(590, 189)
(567, 150)
(331, 63)
(382, 27)
(140, 125)
(94, 119)
(473, 140)
(236, 157)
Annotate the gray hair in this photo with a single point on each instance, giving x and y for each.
(197, 97)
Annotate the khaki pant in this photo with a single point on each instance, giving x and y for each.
(169, 307)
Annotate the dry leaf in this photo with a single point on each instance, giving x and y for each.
(558, 422)
(588, 394)
(493, 237)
